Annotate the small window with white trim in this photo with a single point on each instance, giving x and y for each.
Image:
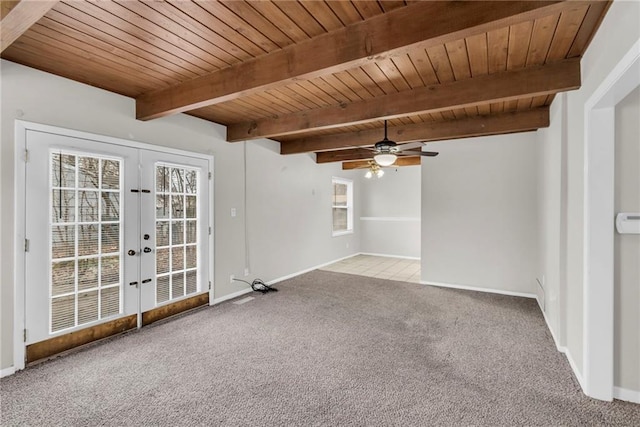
(342, 206)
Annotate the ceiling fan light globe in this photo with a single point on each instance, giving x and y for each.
(368, 175)
(385, 159)
(379, 173)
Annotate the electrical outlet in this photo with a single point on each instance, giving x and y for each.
(231, 278)
(246, 272)
(234, 212)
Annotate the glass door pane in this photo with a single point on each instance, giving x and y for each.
(178, 210)
(85, 235)
(177, 243)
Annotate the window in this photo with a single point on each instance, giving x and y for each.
(85, 239)
(342, 206)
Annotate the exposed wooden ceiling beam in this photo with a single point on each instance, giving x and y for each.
(344, 155)
(429, 131)
(6, 6)
(400, 161)
(498, 87)
(18, 17)
(420, 25)
(521, 121)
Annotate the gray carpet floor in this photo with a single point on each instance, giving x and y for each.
(327, 349)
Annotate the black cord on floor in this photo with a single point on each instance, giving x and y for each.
(258, 285)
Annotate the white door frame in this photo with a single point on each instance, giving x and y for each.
(21, 128)
(599, 187)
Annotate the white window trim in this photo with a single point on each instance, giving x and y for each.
(349, 207)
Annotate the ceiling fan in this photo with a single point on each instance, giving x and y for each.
(387, 151)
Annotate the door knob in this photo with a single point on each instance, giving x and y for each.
(131, 252)
(146, 250)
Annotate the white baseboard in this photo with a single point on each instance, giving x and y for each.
(563, 349)
(390, 256)
(306, 270)
(573, 365)
(231, 296)
(626, 394)
(7, 371)
(560, 348)
(473, 288)
(279, 279)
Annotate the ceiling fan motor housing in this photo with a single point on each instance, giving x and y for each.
(386, 146)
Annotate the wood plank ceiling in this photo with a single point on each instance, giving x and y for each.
(318, 76)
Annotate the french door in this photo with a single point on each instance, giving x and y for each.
(112, 232)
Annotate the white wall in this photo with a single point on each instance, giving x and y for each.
(390, 212)
(479, 216)
(617, 33)
(552, 143)
(627, 246)
(278, 231)
(288, 206)
(561, 185)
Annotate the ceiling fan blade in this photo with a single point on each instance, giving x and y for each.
(411, 153)
(409, 145)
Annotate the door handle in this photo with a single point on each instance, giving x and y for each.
(146, 280)
(146, 250)
(131, 252)
(133, 284)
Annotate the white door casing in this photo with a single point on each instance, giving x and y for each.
(599, 163)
